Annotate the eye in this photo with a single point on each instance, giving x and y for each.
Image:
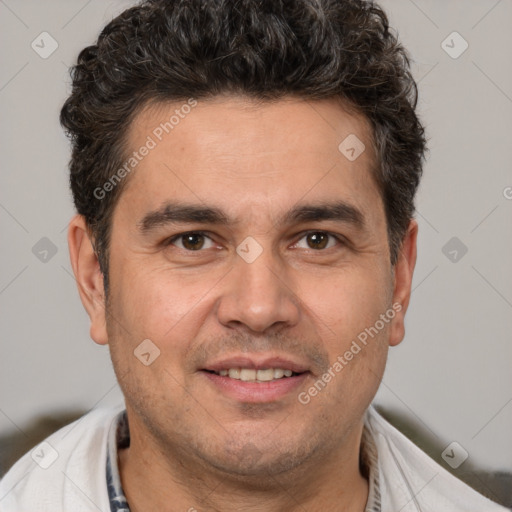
(195, 241)
(191, 241)
(318, 240)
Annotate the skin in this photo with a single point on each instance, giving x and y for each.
(192, 446)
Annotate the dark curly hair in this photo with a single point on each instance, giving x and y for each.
(163, 50)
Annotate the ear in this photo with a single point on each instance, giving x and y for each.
(88, 277)
(403, 273)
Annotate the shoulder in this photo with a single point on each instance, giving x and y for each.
(64, 472)
(411, 481)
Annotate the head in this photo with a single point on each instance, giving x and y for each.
(251, 116)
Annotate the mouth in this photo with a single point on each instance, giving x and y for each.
(252, 375)
(256, 379)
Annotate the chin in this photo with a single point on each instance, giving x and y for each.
(260, 461)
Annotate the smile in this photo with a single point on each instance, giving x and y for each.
(252, 375)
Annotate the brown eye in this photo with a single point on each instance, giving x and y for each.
(191, 241)
(318, 240)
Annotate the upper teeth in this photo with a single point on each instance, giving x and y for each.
(248, 374)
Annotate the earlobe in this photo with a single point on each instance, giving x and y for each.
(404, 270)
(88, 277)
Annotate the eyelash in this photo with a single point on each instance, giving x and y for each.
(171, 240)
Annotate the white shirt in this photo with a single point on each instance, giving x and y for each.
(67, 472)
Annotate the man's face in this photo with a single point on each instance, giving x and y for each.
(271, 285)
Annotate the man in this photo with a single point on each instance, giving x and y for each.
(244, 175)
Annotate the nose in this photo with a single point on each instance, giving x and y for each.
(258, 295)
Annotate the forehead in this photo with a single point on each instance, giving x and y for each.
(245, 154)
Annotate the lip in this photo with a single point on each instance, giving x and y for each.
(256, 392)
(257, 363)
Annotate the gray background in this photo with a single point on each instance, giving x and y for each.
(450, 377)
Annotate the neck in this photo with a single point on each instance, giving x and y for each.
(172, 480)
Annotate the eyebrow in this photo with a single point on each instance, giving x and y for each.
(174, 213)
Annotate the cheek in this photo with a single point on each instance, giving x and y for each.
(151, 305)
(347, 303)
(347, 314)
(155, 303)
